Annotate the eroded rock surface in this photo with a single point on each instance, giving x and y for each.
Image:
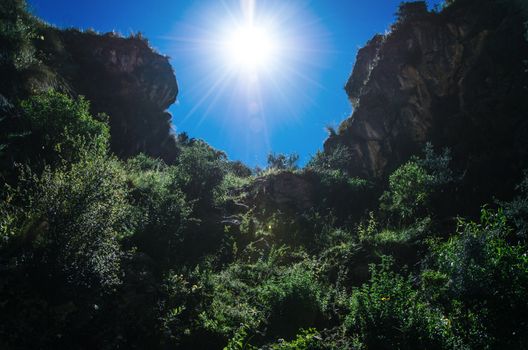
(282, 191)
(455, 78)
(122, 77)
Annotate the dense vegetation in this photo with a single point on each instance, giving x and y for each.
(107, 253)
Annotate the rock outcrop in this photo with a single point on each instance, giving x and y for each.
(122, 77)
(283, 191)
(456, 78)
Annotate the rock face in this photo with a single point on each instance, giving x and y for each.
(454, 78)
(282, 191)
(122, 77)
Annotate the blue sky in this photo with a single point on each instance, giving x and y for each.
(282, 107)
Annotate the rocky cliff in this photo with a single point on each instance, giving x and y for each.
(456, 78)
(122, 77)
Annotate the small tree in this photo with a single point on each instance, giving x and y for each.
(16, 35)
(283, 162)
(62, 128)
(413, 184)
(389, 313)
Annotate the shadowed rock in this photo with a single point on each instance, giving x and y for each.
(283, 191)
(122, 77)
(455, 78)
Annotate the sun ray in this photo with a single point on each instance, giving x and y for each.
(207, 94)
(253, 61)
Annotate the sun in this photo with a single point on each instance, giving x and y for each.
(250, 47)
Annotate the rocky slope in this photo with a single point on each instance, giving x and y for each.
(454, 78)
(122, 77)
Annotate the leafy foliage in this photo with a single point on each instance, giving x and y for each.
(16, 35)
(282, 161)
(160, 209)
(337, 159)
(62, 129)
(488, 275)
(305, 340)
(295, 300)
(73, 218)
(62, 231)
(107, 253)
(388, 313)
(409, 190)
(413, 186)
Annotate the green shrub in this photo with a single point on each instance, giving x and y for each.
(62, 129)
(413, 186)
(177, 207)
(16, 35)
(389, 313)
(338, 194)
(160, 210)
(240, 340)
(142, 162)
(233, 296)
(230, 188)
(176, 306)
(338, 159)
(85, 212)
(437, 166)
(270, 300)
(516, 211)
(487, 276)
(61, 254)
(408, 190)
(294, 299)
(306, 340)
(200, 170)
(370, 232)
(283, 162)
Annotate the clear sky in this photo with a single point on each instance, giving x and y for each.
(246, 108)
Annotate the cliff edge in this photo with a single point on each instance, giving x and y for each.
(122, 77)
(456, 78)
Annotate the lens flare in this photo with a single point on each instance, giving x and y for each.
(250, 48)
(251, 71)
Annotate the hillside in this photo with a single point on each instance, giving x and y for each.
(408, 230)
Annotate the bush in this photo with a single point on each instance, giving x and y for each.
(61, 254)
(62, 129)
(10, 136)
(240, 340)
(294, 299)
(348, 198)
(160, 210)
(200, 170)
(487, 276)
(84, 213)
(16, 35)
(389, 313)
(282, 161)
(413, 186)
(306, 340)
(516, 211)
(338, 159)
(270, 300)
(233, 297)
(408, 191)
